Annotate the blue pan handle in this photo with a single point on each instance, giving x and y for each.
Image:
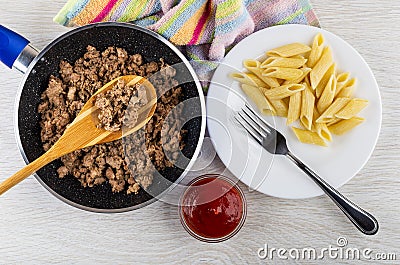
(11, 45)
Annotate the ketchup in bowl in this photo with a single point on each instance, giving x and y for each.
(212, 208)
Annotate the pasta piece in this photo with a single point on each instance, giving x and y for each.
(283, 62)
(281, 109)
(352, 108)
(320, 68)
(286, 100)
(329, 113)
(263, 90)
(283, 73)
(305, 71)
(344, 126)
(325, 79)
(328, 94)
(289, 50)
(342, 79)
(294, 108)
(307, 81)
(297, 57)
(347, 90)
(283, 91)
(308, 137)
(248, 78)
(254, 67)
(335, 120)
(321, 128)
(256, 80)
(256, 95)
(307, 108)
(243, 78)
(316, 50)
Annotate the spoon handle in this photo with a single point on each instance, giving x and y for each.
(26, 172)
(363, 220)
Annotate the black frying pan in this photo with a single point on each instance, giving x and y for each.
(71, 46)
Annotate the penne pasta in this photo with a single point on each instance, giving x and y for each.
(335, 120)
(342, 79)
(344, 126)
(307, 108)
(254, 67)
(294, 108)
(325, 79)
(307, 81)
(321, 128)
(289, 50)
(256, 95)
(283, 91)
(280, 107)
(328, 95)
(323, 132)
(347, 90)
(320, 68)
(329, 114)
(283, 62)
(242, 78)
(248, 78)
(297, 57)
(316, 50)
(352, 108)
(305, 71)
(256, 80)
(283, 73)
(286, 101)
(300, 82)
(308, 137)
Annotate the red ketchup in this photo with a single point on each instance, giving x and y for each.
(212, 208)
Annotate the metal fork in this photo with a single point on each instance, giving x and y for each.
(275, 143)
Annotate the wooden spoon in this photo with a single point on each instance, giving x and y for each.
(82, 132)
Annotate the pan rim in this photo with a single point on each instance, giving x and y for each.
(169, 45)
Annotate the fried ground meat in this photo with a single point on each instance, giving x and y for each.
(164, 143)
(65, 97)
(119, 105)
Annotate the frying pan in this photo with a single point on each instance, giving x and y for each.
(17, 53)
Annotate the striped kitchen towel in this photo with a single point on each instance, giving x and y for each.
(202, 29)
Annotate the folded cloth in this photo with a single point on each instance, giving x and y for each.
(203, 29)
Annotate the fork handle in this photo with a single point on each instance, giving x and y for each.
(363, 220)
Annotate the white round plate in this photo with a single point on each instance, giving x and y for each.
(276, 175)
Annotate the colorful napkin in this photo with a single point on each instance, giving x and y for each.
(202, 29)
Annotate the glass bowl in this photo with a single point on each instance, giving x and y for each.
(212, 208)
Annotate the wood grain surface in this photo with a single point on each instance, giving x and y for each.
(37, 228)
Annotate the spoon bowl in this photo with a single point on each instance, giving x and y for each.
(90, 110)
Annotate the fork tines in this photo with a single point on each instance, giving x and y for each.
(253, 123)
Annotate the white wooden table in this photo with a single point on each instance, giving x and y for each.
(37, 228)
